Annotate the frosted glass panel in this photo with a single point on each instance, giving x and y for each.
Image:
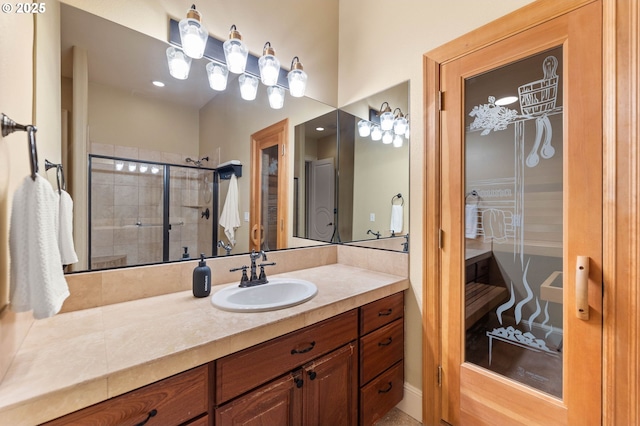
(513, 221)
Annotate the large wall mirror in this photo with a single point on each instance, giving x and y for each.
(140, 136)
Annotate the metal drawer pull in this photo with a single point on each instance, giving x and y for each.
(389, 386)
(152, 413)
(305, 350)
(386, 342)
(312, 375)
(385, 313)
(299, 382)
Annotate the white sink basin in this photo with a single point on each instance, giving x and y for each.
(278, 293)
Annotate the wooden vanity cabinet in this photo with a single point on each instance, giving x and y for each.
(381, 371)
(305, 377)
(178, 400)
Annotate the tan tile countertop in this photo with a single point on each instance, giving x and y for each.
(79, 358)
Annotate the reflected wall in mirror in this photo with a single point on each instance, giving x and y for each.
(351, 193)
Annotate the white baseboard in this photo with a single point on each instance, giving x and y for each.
(412, 402)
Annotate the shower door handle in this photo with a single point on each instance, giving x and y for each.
(582, 288)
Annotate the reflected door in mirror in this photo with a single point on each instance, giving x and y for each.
(269, 188)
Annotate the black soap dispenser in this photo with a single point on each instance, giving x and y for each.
(201, 279)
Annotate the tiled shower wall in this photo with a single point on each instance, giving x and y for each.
(120, 199)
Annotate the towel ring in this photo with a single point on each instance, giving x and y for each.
(399, 197)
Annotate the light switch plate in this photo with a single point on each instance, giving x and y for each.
(246, 216)
(372, 217)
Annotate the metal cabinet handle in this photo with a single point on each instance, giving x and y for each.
(385, 313)
(386, 342)
(387, 389)
(582, 288)
(305, 350)
(152, 413)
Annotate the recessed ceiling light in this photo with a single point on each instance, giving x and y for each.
(158, 83)
(507, 100)
(320, 129)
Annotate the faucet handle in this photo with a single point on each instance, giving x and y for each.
(263, 276)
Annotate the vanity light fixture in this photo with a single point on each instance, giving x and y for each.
(235, 51)
(193, 34)
(320, 129)
(218, 75)
(276, 96)
(376, 133)
(387, 137)
(386, 117)
(364, 128)
(297, 78)
(398, 140)
(144, 168)
(248, 87)
(119, 165)
(399, 123)
(155, 169)
(179, 63)
(408, 131)
(132, 167)
(269, 66)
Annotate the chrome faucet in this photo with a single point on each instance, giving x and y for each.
(405, 245)
(227, 247)
(254, 279)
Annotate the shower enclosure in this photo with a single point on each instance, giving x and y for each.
(144, 212)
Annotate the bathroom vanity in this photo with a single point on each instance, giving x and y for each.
(175, 359)
(318, 375)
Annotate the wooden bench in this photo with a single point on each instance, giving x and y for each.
(481, 299)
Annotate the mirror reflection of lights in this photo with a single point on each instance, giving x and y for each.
(144, 168)
(157, 83)
(320, 129)
(119, 165)
(155, 169)
(132, 167)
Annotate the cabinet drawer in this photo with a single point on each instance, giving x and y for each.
(376, 314)
(244, 370)
(381, 349)
(175, 401)
(381, 395)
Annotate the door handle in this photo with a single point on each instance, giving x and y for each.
(582, 288)
(254, 235)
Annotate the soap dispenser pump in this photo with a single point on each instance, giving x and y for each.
(201, 279)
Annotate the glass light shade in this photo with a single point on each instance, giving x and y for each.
(235, 52)
(376, 133)
(407, 133)
(276, 96)
(387, 137)
(269, 69)
(218, 75)
(364, 128)
(398, 140)
(144, 168)
(179, 63)
(119, 165)
(400, 126)
(297, 82)
(193, 36)
(155, 169)
(386, 120)
(248, 87)
(132, 167)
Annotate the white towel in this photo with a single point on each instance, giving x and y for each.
(65, 229)
(230, 218)
(36, 279)
(471, 221)
(396, 218)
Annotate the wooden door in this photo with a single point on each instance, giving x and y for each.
(330, 390)
(322, 224)
(269, 188)
(520, 214)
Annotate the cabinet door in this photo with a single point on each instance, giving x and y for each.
(330, 390)
(276, 403)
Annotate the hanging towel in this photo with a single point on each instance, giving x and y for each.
(495, 227)
(36, 279)
(396, 218)
(65, 229)
(471, 220)
(230, 218)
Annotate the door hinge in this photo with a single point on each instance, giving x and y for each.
(440, 100)
(440, 238)
(439, 376)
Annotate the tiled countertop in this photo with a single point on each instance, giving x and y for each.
(79, 358)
